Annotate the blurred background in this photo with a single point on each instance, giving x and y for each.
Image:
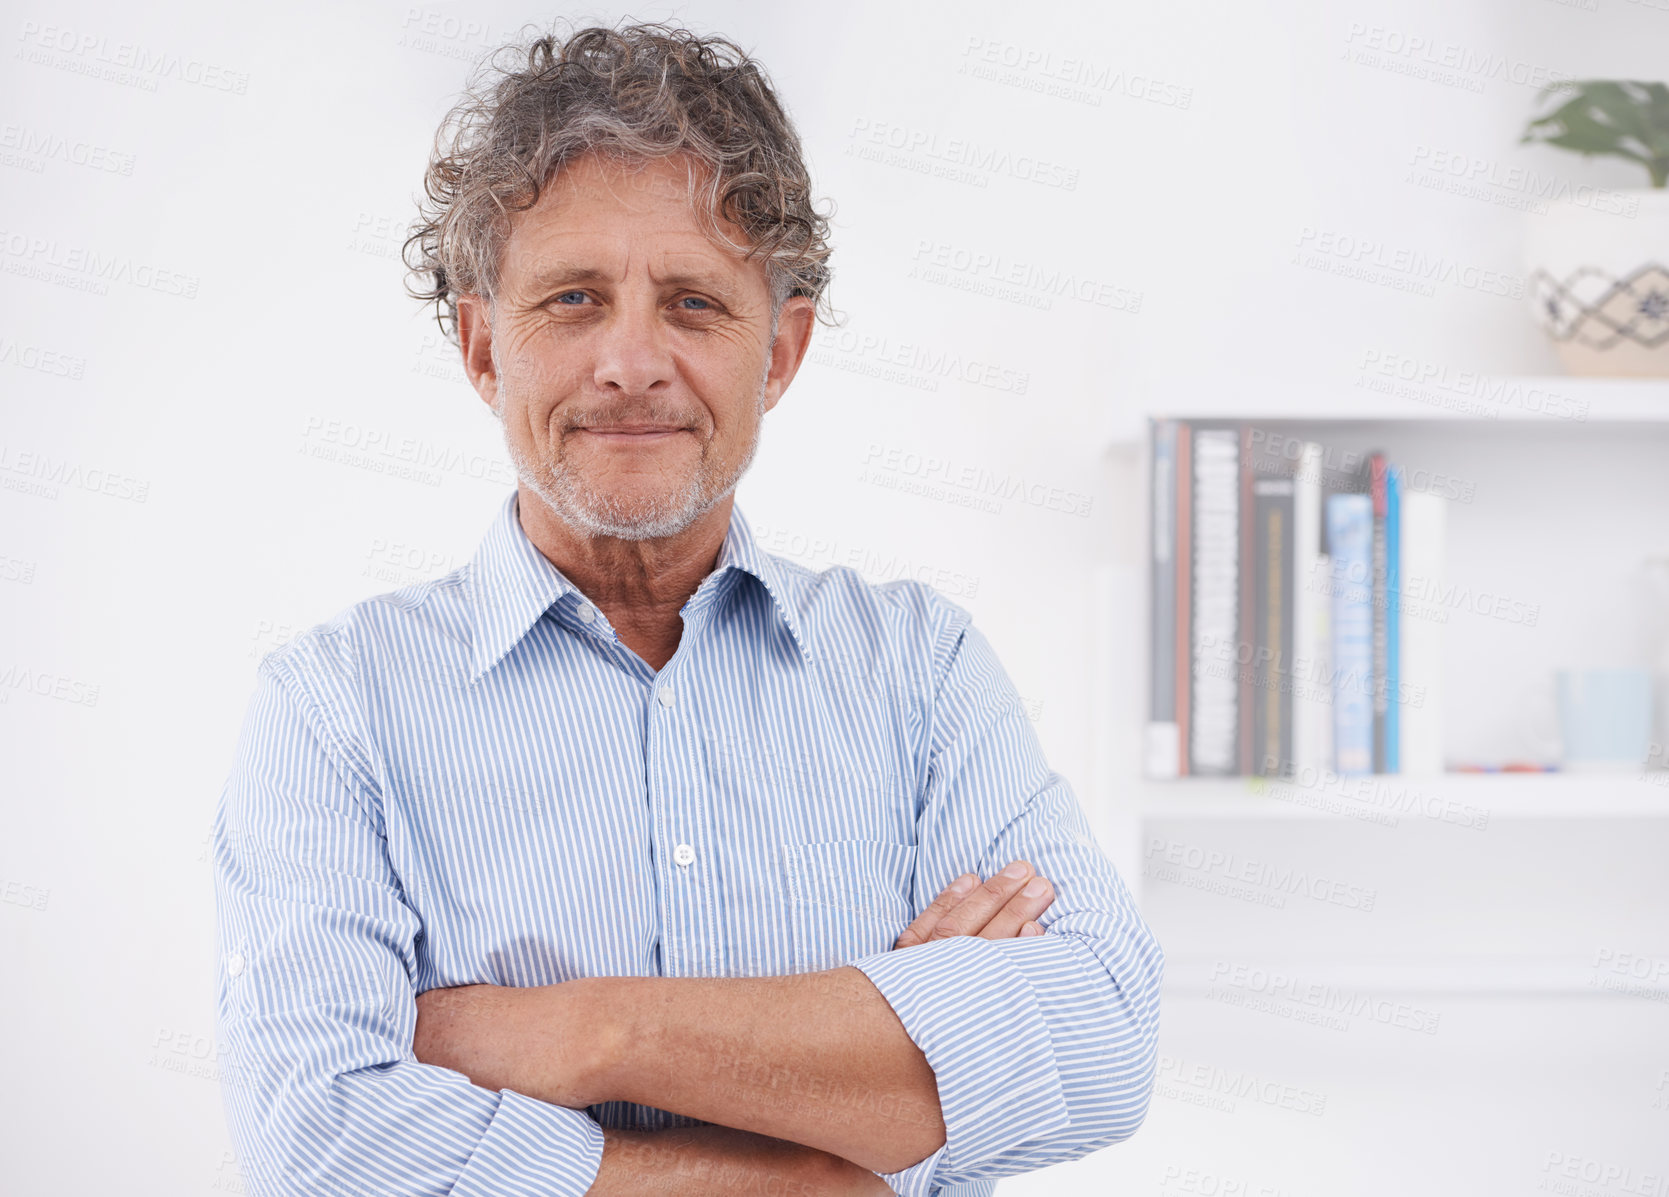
(1056, 224)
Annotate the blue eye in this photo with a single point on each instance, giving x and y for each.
(694, 298)
(566, 294)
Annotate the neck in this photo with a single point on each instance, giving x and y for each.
(640, 585)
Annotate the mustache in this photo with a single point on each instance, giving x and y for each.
(663, 414)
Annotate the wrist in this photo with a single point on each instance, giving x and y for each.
(594, 1045)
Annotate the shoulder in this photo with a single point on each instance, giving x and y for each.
(335, 662)
(837, 605)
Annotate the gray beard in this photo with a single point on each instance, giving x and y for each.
(589, 512)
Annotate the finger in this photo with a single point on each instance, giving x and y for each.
(973, 912)
(1031, 929)
(919, 930)
(1032, 900)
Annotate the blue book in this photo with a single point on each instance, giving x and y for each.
(1350, 547)
(1393, 621)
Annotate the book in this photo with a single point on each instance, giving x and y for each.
(1390, 761)
(1350, 549)
(1422, 631)
(1284, 643)
(1374, 483)
(1244, 664)
(1184, 653)
(1214, 730)
(1272, 627)
(1312, 708)
(1162, 752)
(1320, 689)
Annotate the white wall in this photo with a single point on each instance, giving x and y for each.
(268, 175)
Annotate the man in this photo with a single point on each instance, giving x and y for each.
(629, 858)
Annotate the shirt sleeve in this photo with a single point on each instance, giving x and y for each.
(316, 1005)
(1044, 1048)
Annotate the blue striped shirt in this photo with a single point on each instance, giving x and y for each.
(473, 780)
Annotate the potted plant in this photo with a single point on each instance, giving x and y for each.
(1599, 260)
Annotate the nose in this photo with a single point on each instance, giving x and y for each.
(633, 356)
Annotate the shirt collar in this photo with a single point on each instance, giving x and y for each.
(512, 584)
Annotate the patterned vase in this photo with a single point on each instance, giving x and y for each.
(1598, 266)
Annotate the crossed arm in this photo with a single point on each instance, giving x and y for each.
(808, 1078)
(1023, 1050)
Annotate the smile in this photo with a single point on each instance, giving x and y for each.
(632, 436)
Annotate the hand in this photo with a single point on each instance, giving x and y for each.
(717, 1161)
(1004, 907)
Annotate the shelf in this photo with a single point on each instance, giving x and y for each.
(1464, 800)
(1286, 982)
(1551, 401)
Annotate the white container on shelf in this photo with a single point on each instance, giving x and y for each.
(1598, 265)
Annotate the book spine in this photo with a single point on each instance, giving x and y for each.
(1272, 647)
(1321, 671)
(1162, 752)
(1421, 550)
(1310, 710)
(1184, 652)
(1376, 493)
(1245, 661)
(1214, 727)
(1350, 547)
(1393, 624)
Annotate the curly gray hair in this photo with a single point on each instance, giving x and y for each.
(638, 92)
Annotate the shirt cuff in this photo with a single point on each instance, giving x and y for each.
(533, 1149)
(917, 1179)
(976, 1018)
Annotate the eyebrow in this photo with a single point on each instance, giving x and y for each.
(558, 272)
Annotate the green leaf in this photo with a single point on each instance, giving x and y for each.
(1620, 118)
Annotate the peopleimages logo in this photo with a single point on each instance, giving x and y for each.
(23, 145)
(1216, 1087)
(1478, 177)
(1371, 260)
(1068, 77)
(875, 138)
(1468, 386)
(1165, 858)
(34, 256)
(382, 451)
(864, 350)
(1440, 60)
(1239, 983)
(989, 267)
(129, 63)
(975, 481)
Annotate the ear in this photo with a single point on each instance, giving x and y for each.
(475, 339)
(794, 326)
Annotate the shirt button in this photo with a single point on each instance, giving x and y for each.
(683, 854)
(586, 613)
(665, 695)
(234, 964)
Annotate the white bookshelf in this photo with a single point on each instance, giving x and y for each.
(1577, 402)
(1563, 506)
(1556, 513)
(1459, 799)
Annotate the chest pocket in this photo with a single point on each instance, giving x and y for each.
(851, 898)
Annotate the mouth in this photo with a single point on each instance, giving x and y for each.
(625, 434)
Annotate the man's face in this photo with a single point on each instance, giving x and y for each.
(631, 358)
